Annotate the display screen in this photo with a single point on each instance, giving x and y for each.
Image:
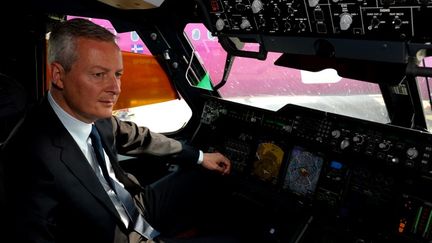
(267, 162)
(303, 171)
(336, 165)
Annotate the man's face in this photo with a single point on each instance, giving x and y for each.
(92, 86)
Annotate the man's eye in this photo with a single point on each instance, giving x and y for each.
(99, 75)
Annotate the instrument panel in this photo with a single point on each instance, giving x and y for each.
(331, 177)
(371, 19)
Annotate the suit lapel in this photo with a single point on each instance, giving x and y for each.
(74, 159)
(72, 156)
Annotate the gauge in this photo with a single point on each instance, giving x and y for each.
(268, 161)
(303, 171)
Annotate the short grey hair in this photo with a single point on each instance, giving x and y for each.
(63, 38)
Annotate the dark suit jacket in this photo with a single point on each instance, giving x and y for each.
(52, 191)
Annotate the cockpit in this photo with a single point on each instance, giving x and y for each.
(323, 107)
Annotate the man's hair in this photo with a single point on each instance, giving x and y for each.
(62, 42)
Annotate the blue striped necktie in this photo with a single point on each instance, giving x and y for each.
(136, 219)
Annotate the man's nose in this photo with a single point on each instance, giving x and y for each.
(115, 84)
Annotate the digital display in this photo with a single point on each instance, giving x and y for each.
(335, 165)
(303, 171)
(267, 163)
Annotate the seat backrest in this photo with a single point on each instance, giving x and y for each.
(13, 102)
(13, 105)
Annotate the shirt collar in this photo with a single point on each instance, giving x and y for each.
(79, 130)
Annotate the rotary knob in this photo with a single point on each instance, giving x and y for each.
(313, 3)
(375, 22)
(358, 139)
(302, 26)
(256, 6)
(397, 22)
(335, 133)
(220, 24)
(344, 144)
(345, 21)
(276, 11)
(245, 24)
(412, 153)
(385, 146)
(287, 25)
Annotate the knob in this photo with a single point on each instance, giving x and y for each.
(384, 146)
(287, 128)
(344, 144)
(302, 26)
(375, 22)
(245, 24)
(257, 6)
(397, 22)
(291, 10)
(345, 21)
(412, 153)
(358, 139)
(335, 133)
(313, 3)
(287, 26)
(275, 25)
(220, 24)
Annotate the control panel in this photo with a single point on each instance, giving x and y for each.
(370, 19)
(338, 178)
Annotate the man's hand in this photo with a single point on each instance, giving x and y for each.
(217, 162)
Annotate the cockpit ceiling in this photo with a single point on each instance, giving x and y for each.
(133, 4)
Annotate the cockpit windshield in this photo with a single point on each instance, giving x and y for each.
(262, 84)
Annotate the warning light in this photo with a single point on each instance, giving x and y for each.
(214, 6)
(402, 224)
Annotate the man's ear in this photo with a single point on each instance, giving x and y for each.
(57, 75)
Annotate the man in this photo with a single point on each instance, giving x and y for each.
(57, 188)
